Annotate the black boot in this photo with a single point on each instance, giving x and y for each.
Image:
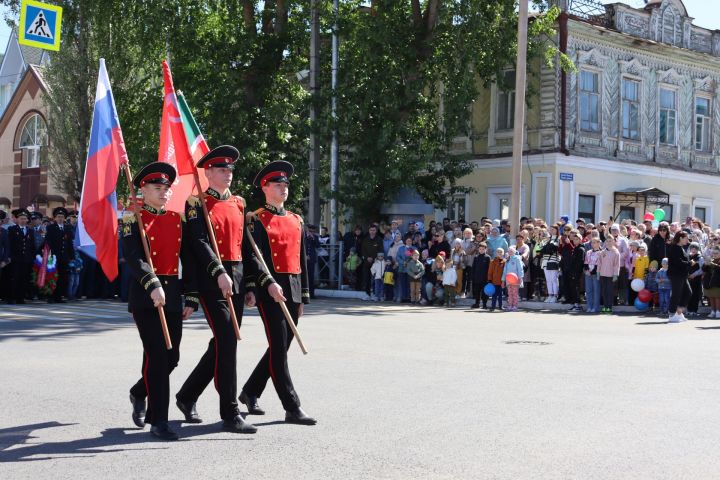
(251, 403)
(237, 424)
(163, 432)
(138, 414)
(299, 417)
(190, 412)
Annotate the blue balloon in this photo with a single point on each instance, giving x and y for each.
(640, 305)
(489, 289)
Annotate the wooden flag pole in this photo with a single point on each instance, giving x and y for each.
(144, 241)
(283, 307)
(213, 242)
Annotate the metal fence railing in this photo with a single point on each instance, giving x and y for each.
(329, 267)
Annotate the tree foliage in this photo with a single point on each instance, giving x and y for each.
(409, 71)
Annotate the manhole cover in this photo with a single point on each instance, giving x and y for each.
(525, 342)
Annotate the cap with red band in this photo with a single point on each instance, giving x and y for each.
(277, 171)
(161, 173)
(223, 156)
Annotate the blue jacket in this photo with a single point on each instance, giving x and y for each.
(494, 243)
(514, 264)
(663, 281)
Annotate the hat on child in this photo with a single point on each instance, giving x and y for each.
(664, 261)
(381, 254)
(653, 264)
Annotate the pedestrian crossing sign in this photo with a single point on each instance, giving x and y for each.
(40, 25)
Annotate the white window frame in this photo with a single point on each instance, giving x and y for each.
(707, 204)
(639, 82)
(598, 94)
(707, 120)
(510, 104)
(31, 154)
(660, 109)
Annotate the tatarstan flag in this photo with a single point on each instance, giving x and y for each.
(175, 147)
(195, 139)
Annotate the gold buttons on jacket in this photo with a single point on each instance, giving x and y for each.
(154, 253)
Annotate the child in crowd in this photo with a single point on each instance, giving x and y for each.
(378, 274)
(75, 266)
(664, 287)
(592, 277)
(495, 274)
(351, 265)
(514, 264)
(608, 270)
(449, 281)
(639, 267)
(695, 277)
(651, 283)
(415, 271)
(435, 290)
(480, 267)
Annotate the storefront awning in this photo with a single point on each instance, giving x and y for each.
(640, 195)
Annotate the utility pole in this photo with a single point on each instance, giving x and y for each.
(519, 120)
(314, 161)
(334, 143)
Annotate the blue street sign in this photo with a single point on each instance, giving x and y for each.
(40, 25)
(568, 177)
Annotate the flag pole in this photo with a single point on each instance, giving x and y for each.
(213, 242)
(144, 241)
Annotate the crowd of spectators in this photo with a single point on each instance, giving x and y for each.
(589, 267)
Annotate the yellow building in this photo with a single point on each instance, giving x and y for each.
(635, 128)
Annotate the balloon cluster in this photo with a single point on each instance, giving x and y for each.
(642, 302)
(655, 217)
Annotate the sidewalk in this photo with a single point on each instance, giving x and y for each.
(467, 302)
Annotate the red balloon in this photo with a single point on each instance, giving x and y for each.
(645, 295)
(649, 216)
(512, 279)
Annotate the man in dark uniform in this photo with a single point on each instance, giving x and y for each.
(59, 238)
(22, 254)
(152, 287)
(281, 240)
(219, 279)
(5, 268)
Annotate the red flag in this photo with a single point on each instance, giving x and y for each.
(174, 148)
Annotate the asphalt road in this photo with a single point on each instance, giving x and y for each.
(399, 392)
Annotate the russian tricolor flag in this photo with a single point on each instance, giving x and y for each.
(97, 229)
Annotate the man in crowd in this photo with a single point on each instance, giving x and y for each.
(371, 246)
(22, 254)
(59, 238)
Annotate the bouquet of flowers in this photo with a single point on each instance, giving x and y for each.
(44, 273)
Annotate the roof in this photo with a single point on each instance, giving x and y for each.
(32, 55)
(644, 190)
(26, 85)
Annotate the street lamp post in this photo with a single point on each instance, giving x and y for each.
(519, 120)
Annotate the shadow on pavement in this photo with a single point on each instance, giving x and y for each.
(708, 328)
(652, 323)
(84, 447)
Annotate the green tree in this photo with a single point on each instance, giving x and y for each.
(409, 72)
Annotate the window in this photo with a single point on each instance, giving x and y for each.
(668, 116)
(668, 209)
(456, 207)
(702, 124)
(586, 208)
(506, 103)
(631, 109)
(625, 213)
(700, 213)
(589, 102)
(32, 139)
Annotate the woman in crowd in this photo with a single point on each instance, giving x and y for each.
(550, 263)
(678, 268)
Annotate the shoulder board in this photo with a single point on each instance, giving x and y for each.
(182, 217)
(250, 217)
(241, 200)
(259, 210)
(298, 217)
(129, 218)
(193, 201)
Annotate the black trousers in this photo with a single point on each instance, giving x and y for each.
(680, 293)
(478, 289)
(274, 363)
(572, 288)
(219, 362)
(158, 362)
(62, 281)
(695, 295)
(21, 279)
